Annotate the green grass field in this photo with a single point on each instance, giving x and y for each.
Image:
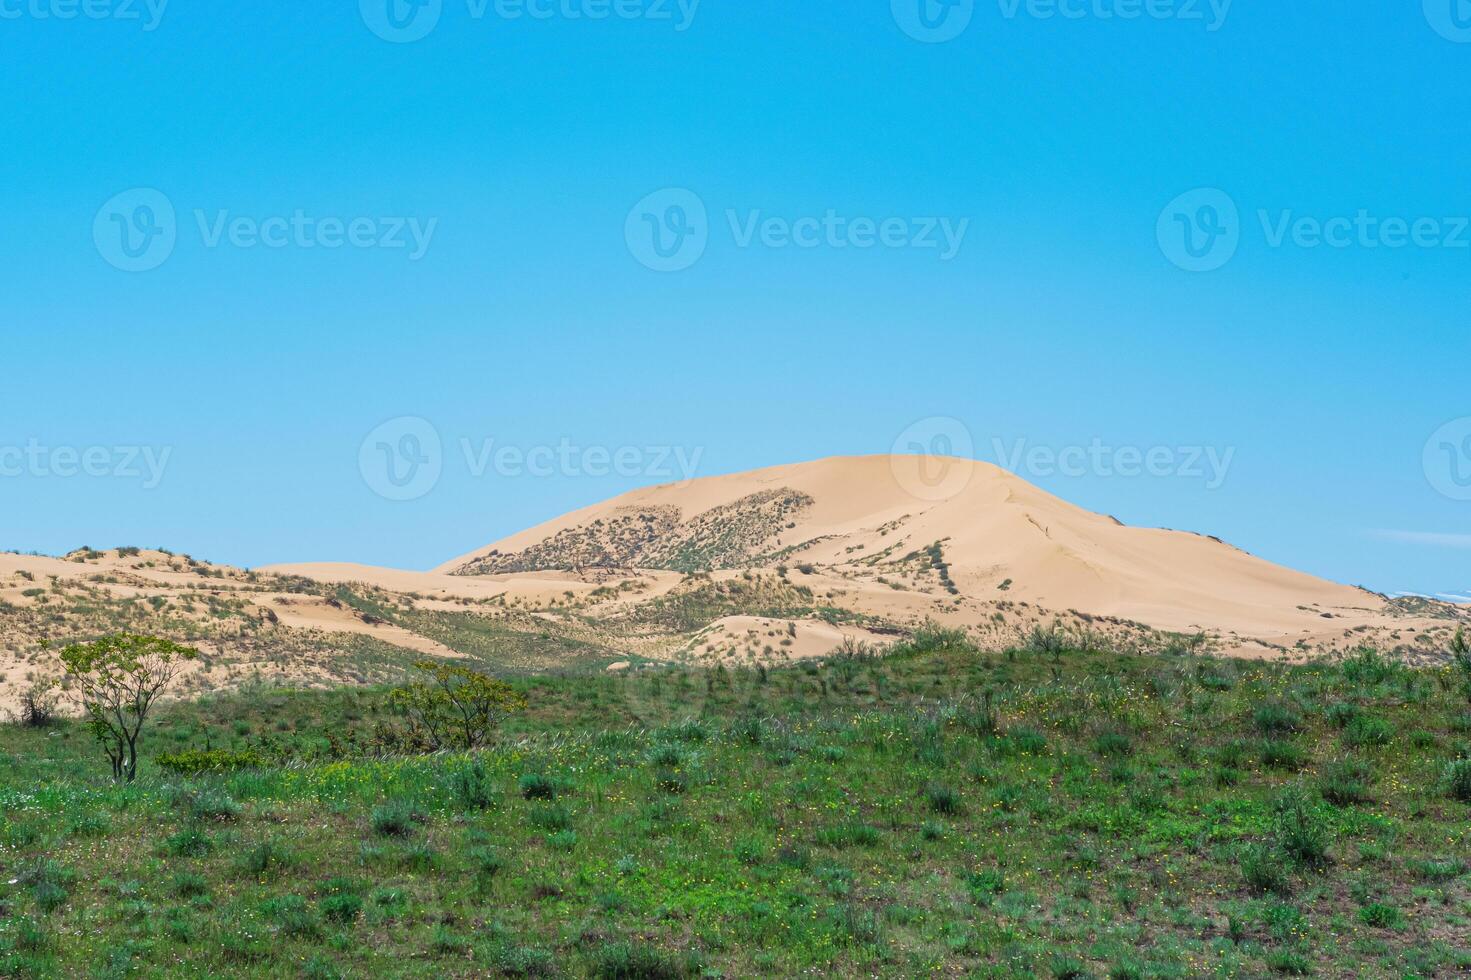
(935, 811)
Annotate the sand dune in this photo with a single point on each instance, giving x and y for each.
(767, 566)
(997, 535)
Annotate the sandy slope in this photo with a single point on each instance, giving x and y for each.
(995, 528)
(777, 564)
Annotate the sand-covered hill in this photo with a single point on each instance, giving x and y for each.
(891, 526)
(776, 564)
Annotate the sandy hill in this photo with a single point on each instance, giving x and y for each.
(773, 565)
(989, 536)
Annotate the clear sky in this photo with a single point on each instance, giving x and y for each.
(238, 241)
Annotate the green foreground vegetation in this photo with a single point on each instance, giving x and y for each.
(935, 810)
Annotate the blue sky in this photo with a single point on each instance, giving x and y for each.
(1062, 152)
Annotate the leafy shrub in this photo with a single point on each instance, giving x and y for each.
(1346, 782)
(942, 799)
(849, 833)
(1381, 916)
(487, 864)
(342, 908)
(395, 818)
(189, 884)
(1368, 668)
(48, 881)
(1433, 870)
(195, 762)
(210, 806)
(1113, 745)
(553, 817)
(1458, 780)
(39, 701)
(1262, 869)
(1288, 962)
(473, 787)
(666, 755)
(1026, 740)
(633, 961)
(985, 885)
(291, 915)
(535, 786)
(1302, 833)
(671, 781)
(420, 856)
(265, 860)
(189, 842)
(1276, 718)
(1341, 713)
(1279, 753)
(1367, 730)
(455, 707)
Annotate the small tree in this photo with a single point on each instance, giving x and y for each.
(456, 706)
(38, 702)
(117, 680)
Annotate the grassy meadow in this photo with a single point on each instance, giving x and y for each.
(935, 811)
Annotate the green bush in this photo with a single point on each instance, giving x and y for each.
(942, 799)
(1263, 871)
(1367, 730)
(1458, 780)
(535, 786)
(472, 786)
(1302, 832)
(1346, 782)
(342, 908)
(1279, 753)
(195, 762)
(395, 818)
(1381, 916)
(1276, 718)
(633, 961)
